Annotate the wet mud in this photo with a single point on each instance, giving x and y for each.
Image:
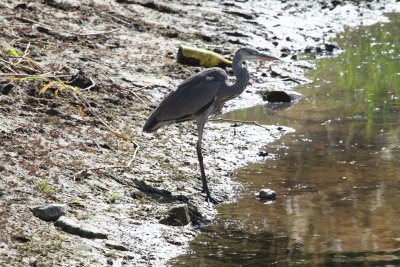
(79, 78)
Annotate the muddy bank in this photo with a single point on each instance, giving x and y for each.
(56, 147)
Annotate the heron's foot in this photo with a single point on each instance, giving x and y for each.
(212, 200)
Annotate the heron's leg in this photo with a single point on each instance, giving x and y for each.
(200, 127)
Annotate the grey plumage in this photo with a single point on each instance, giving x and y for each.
(202, 95)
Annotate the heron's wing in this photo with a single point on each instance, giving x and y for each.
(191, 98)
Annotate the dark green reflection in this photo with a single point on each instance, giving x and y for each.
(337, 178)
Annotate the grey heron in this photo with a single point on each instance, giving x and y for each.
(200, 96)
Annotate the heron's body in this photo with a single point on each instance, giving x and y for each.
(200, 96)
(195, 96)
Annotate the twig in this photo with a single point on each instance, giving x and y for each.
(240, 121)
(134, 155)
(23, 75)
(122, 21)
(90, 86)
(10, 69)
(25, 52)
(93, 33)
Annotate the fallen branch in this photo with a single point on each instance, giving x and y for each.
(240, 121)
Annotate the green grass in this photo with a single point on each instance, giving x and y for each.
(111, 198)
(43, 186)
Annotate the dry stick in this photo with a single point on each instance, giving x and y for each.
(10, 69)
(25, 52)
(90, 86)
(23, 75)
(122, 21)
(240, 121)
(93, 33)
(7, 62)
(134, 155)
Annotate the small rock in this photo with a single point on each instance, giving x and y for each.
(262, 154)
(285, 50)
(52, 112)
(22, 239)
(308, 49)
(331, 47)
(75, 228)
(196, 217)
(241, 14)
(116, 246)
(284, 54)
(6, 89)
(63, 5)
(49, 213)
(281, 96)
(276, 96)
(177, 216)
(266, 194)
(137, 194)
(81, 79)
(336, 2)
(171, 34)
(205, 37)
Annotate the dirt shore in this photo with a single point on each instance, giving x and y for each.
(68, 147)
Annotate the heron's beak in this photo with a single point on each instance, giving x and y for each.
(265, 57)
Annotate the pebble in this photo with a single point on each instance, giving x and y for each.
(49, 212)
(267, 194)
(330, 47)
(276, 96)
(73, 227)
(6, 89)
(177, 216)
(116, 246)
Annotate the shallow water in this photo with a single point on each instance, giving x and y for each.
(337, 178)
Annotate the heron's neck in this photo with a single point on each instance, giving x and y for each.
(242, 77)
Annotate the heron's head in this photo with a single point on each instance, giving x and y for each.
(249, 53)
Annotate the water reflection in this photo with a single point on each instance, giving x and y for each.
(337, 178)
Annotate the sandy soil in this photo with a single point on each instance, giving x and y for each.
(57, 146)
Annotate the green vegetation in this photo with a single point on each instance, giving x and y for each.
(111, 199)
(43, 186)
(363, 82)
(366, 77)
